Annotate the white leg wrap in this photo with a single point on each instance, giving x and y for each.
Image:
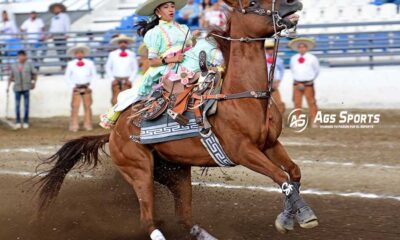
(201, 234)
(157, 235)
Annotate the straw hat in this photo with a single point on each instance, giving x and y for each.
(80, 47)
(54, 5)
(269, 43)
(310, 43)
(120, 38)
(147, 8)
(142, 50)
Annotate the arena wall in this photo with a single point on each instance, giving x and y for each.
(344, 88)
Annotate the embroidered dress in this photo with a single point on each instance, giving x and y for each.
(165, 40)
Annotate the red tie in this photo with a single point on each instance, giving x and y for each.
(80, 63)
(302, 60)
(270, 60)
(123, 53)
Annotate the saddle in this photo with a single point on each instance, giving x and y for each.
(175, 98)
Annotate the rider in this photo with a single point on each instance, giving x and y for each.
(171, 53)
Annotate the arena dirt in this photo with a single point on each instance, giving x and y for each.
(104, 207)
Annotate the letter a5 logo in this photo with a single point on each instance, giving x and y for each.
(298, 120)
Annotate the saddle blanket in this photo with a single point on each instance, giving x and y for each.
(165, 129)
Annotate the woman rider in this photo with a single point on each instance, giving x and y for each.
(164, 39)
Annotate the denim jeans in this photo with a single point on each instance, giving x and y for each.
(18, 96)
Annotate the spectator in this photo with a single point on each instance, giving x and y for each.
(24, 76)
(7, 27)
(189, 15)
(121, 66)
(34, 27)
(278, 74)
(80, 74)
(59, 27)
(305, 69)
(214, 16)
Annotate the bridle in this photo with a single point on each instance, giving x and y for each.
(277, 22)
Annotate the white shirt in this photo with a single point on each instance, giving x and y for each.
(60, 23)
(75, 74)
(122, 67)
(34, 28)
(306, 71)
(8, 27)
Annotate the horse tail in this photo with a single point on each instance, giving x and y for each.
(84, 150)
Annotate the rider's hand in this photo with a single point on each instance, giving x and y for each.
(178, 58)
(196, 33)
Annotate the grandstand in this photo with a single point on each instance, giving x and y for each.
(348, 33)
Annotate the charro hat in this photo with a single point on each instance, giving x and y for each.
(79, 47)
(142, 50)
(269, 43)
(120, 38)
(147, 8)
(54, 5)
(310, 43)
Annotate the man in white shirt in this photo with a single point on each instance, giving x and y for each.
(80, 74)
(59, 27)
(8, 29)
(305, 69)
(34, 29)
(121, 66)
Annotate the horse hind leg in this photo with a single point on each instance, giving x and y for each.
(178, 180)
(304, 216)
(136, 166)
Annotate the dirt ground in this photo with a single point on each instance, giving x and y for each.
(351, 177)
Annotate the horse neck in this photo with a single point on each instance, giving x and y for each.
(247, 70)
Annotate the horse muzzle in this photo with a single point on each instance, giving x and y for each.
(287, 12)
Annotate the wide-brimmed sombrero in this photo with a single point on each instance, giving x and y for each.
(269, 43)
(122, 38)
(147, 8)
(142, 50)
(62, 6)
(80, 47)
(309, 42)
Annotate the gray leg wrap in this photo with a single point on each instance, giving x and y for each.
(303, 213)
(285, 220)
(201, 234)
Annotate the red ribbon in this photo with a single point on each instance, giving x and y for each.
(301, 60)
(80, 63)
(270, 60)
(123, 53)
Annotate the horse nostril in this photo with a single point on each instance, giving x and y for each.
(291, 1)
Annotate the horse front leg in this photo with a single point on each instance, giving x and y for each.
(256, 160)
(178, 180)
(285, 220)
(135, 163)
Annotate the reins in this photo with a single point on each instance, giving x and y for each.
(255, 9)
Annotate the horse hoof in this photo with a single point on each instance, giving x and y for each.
(306, 218)
(284, 223)
(201, 234)
(157, 235)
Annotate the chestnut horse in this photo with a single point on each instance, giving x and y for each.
(240, 126)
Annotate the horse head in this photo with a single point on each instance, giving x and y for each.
(263, 18)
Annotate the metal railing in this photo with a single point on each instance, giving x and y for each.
(334, 50)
